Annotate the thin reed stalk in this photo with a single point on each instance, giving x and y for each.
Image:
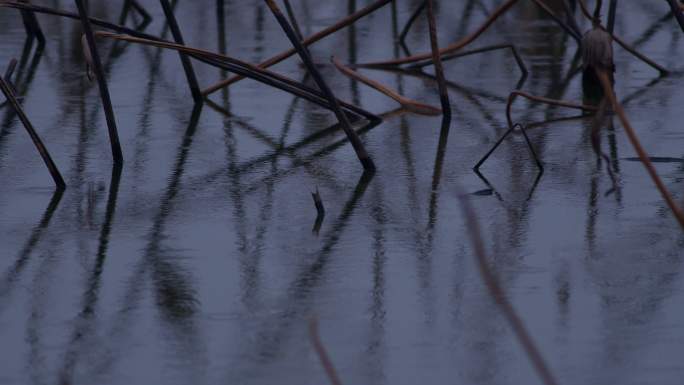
(102, 85)
(634, 140)
(409, 104)
(358, 146)
(498, 294)
(437, 60)
(344, 22)
(293, 19)
(37, 142)
(185, 61)
(516, 55)
(500, 10)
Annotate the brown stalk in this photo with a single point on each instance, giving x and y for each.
(409, 104)
(500, 10)
(498, 294)
(231, 64)
(553, 102)
(631, 134)
(322, 353)
(344, 22)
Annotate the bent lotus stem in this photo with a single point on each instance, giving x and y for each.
(409, 104)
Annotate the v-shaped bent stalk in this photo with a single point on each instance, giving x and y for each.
(54, 171)
(408, 104)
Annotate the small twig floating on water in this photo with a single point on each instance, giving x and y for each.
(499, 296)
(359, 148)
(54, 171)
(346, 21)
(102, 85)
(187, 65)
(409, 104)
(437, 60)
(322, 353)
(631, 134)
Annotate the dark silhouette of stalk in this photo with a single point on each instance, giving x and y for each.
(185, 60)
(501, 139)
(32, 26)
(102, 84)
(141, 11)
(293, 19)
(437, 60)
(498, 294)
(410, 21)
(612, 9)
(677, 11)
(54, 171)
(361, 153)
(344, 22)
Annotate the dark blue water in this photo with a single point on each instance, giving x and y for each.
(198, 263)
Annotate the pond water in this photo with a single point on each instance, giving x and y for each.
(198, 263)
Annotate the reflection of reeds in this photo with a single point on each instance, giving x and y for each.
(498, 294)
(631, 134)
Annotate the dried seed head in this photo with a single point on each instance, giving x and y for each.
(88, 58)
(597, 50)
